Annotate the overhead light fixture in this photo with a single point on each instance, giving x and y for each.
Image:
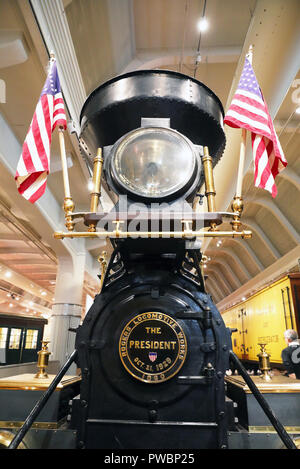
(8, 274)
(203, 25)
(297, 110)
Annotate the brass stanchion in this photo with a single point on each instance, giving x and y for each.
(68, 201)
(210, 191)
(237, 207)
(237, 203)
(264, 363)
(43, 360)
(96, 191)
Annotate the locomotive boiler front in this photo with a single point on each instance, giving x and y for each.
(153, 349)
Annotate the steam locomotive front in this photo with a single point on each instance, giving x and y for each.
(153, 349)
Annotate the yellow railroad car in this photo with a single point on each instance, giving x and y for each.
(263, 318)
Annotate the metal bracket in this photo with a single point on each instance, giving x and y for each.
(192, 380)
(190, 315)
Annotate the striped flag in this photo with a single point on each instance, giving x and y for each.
(34, 164)
(248, 110)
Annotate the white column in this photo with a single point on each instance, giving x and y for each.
(67, 308)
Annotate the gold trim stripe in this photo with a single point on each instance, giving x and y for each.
(37, 425)
(270, 429)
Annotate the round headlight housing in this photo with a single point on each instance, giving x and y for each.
(154, 162)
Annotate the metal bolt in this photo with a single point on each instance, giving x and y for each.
(152, 415)
(220, 374)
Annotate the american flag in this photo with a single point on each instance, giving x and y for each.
(34, 164)
(248, 110)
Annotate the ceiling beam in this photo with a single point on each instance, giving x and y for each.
(291, 176)
(212, 291)
(216, 285)
(270, 205)
(220, 280)
(228, 271)
(25, 232)
(262, 235)
(250, 252)
(32, 261)
(14, 278)
(12, 237)
(18, 250)
(42, 275)
(229, 253)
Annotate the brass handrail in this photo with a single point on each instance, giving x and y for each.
(153, 234)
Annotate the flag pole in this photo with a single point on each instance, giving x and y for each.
(237, 204)
(241, 164)
(68, 201)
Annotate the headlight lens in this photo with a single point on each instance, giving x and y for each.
(154, 162)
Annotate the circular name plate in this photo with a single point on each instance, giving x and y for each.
(152, 347)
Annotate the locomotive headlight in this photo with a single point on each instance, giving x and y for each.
(154, 162)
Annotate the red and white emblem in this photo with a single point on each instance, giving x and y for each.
(152, 356)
